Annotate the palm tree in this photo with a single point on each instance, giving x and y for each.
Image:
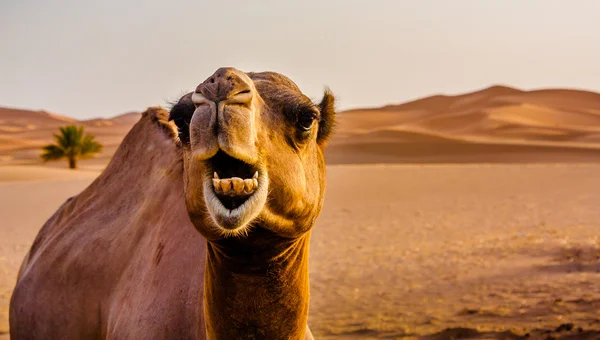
(71, 144)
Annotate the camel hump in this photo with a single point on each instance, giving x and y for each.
(23, 265)
(128, 228)
(152, 143)
(147, 154)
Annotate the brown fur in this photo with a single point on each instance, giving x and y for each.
(135, 255)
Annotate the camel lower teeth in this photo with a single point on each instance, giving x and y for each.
(235, 186)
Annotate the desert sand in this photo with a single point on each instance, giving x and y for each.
(414, 250)
(466, 216)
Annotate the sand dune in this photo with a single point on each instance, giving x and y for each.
(17, 120)
(479, 112)
(496, 124)
(23, 133)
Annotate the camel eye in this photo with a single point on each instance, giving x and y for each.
(306, 121)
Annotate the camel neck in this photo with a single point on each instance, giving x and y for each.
(257, 291)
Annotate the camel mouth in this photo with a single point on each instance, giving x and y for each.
(234, 181)
(234, 190)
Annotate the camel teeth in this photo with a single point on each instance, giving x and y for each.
(226, 185)
(235, 186)
(217, 184)
(238, 185)
(248, 185)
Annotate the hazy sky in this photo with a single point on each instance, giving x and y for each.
(102, 58)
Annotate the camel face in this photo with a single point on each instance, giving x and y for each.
(253, 153)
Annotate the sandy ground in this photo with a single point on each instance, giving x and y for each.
(413, 250)
(16, 173)
(405, 250)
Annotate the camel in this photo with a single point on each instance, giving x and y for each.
(198, 228)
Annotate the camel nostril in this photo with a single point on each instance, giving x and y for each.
(212, 80)
(242, 92)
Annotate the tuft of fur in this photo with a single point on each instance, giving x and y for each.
(160, 117)
(327, 123)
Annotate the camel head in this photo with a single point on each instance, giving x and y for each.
(253, 154)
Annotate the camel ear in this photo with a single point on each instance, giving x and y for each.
(181, 113)
(327, 122)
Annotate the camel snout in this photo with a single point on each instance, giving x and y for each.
(225, 116)
(226, 83)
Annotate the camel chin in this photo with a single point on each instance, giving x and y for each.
(235, 193)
